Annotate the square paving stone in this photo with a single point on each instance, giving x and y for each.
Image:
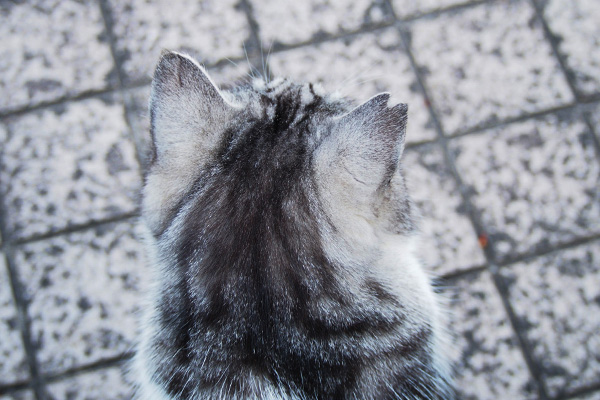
(576, 26)
(103, 384)
(51, 49)
(359, 68)
(290, 22)
(449, 242)
(534, 183)
(18, 395)
(84, 293)
(13, 363)
(211, 30)
(557, 299)
(137, 104)
(487, 63)
(67, 165)
(406, 8)
(492, 366)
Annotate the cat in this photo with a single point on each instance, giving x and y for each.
(283, 243)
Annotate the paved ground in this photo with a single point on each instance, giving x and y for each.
(504, 160)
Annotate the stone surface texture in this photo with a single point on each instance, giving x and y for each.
(557, 299)
(67, 165)
(408, 8)
(211, 30)
(84, 291)
(13, 364)
(18, 395)
(58, 48)
(487, 63)
(502, 159)
(534, 183)
(575, 25)
(109, 383)
(314, 18)
(491, 365)
(449, 242)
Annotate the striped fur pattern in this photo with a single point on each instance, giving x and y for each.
(283, 244)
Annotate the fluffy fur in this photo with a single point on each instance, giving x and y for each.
(283, 244)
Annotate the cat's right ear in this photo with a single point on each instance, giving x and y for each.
(186, 107)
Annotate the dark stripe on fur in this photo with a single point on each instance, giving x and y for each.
(251, 275)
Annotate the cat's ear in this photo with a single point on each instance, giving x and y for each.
(365, 145)
(186, 107)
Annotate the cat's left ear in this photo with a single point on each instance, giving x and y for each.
(365, 145)
(187, 109)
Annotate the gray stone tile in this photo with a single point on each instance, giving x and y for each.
(557, 298)
(576, 25)
(293, 22)
(535, 183)
(56, 49)
(359, 68)
(67, 165)
(492, 365)
(84, 292)
(449, 242)
(104, 384)
(13, 363)
(137, 105)
(18, 395)
(211, 30)
(406, 8)
(486, 63)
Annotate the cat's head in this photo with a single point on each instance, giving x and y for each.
(277, 142)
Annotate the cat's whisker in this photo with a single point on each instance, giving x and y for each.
(268, 64)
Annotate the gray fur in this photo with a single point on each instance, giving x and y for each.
(283, 245)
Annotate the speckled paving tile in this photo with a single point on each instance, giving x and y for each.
(211, 30)
(137, 104)
(293, 22)
(67, 165)
(84, 292)
(13, 364)
(534, 183)
(449, 242)
(486, 63)
(557, 298)
(56, 49)
(406, 8)
(104, 384)
(492, 366)
(361, 67)
(18, 395)
(576, 26)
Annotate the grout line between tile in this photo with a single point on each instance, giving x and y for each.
(36, 381)
(549, 250)
(475, 219)
(595, 388)
(524, 343)
(595, 134)
(13, 388)
(71, 229)
(551, 39)
(96, 366)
